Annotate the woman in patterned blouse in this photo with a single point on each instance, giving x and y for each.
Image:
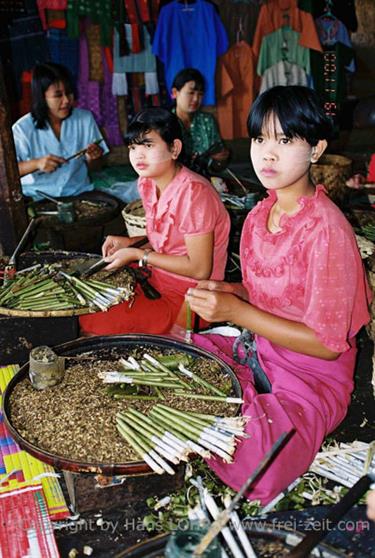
(200, 132)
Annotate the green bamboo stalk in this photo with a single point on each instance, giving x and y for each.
(158, 364)
(148, 448)
(166, 451)
(139, 449)
(201, 381)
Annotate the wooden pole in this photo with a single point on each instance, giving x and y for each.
(13, 218)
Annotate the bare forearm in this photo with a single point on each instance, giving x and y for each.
(181, 265)
(27, 167)
(286, 333)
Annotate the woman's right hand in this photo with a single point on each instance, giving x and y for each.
(49, 163)
(113, 243)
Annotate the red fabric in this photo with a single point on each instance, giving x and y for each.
(44, 5)
(57, 23)
(371, 169)
(143, 10)
(131, 11)
(144, 316)
(136, 39)
(108, 58)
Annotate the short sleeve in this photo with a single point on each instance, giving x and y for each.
(333, 275)
(22, 143)
(198, 210)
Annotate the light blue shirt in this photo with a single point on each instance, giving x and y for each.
(71, 178)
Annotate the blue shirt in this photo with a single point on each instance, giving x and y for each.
(71, 178)
(191, 36)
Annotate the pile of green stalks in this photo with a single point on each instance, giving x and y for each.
(48, 288)
(168, 372)
(168, 435)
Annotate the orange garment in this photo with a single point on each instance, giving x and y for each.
(277, 13)
(234, 90)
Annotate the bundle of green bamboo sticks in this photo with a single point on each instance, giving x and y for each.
(48, 288)
(162, 373)
(168, 435)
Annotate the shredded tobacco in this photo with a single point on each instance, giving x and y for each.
(76, 418)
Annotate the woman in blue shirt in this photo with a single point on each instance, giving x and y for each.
(53, 131)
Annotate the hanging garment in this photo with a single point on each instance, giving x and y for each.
(143, 61)
(277, 13)
(239, 20)
(190, 37)
(44, 5)
(235, 90)
(64, 50)
(344, 10)
(28, 47)
(332, 31)
(96, 71)
(109, 107)
(99, 12)
(283, 73)
(283, 45)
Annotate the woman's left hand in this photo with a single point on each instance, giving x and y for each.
(122, 257)
(94, 152)
(213, 306)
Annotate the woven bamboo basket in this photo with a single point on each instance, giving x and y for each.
(332, 171)
(134, 217)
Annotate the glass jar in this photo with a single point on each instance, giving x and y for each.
(46, 369)
(183, 542)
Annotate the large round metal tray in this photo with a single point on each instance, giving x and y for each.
(85, 345)
(30, 258)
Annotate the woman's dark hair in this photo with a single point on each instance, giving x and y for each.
(298, 110)
(164, 122)
(189, 74)
(45, 75)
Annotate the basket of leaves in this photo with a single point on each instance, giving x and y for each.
(332, 171)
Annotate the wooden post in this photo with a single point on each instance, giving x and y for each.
(13, 218)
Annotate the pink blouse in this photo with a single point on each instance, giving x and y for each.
(189, 206)
(310, 272)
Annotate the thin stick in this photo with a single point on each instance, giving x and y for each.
(237, 180)
(224, 516)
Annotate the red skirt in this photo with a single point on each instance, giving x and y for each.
(143, 316)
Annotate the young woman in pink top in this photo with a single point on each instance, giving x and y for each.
(304, 297)
(187, 230)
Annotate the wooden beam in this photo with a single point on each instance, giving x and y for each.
(13, 218)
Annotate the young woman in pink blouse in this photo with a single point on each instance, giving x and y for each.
(303, 298)
(187, 230)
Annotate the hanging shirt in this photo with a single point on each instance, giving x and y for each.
(277, 13)
(235, 90)
(283, 73)
(190, 37)
(71, 178)
(143, 61)
(283, 44)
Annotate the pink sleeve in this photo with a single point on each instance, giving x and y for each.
(197, 210)
(333, 274)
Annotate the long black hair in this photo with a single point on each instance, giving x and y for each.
(298, 110)
(164, 122)
(45, 75)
